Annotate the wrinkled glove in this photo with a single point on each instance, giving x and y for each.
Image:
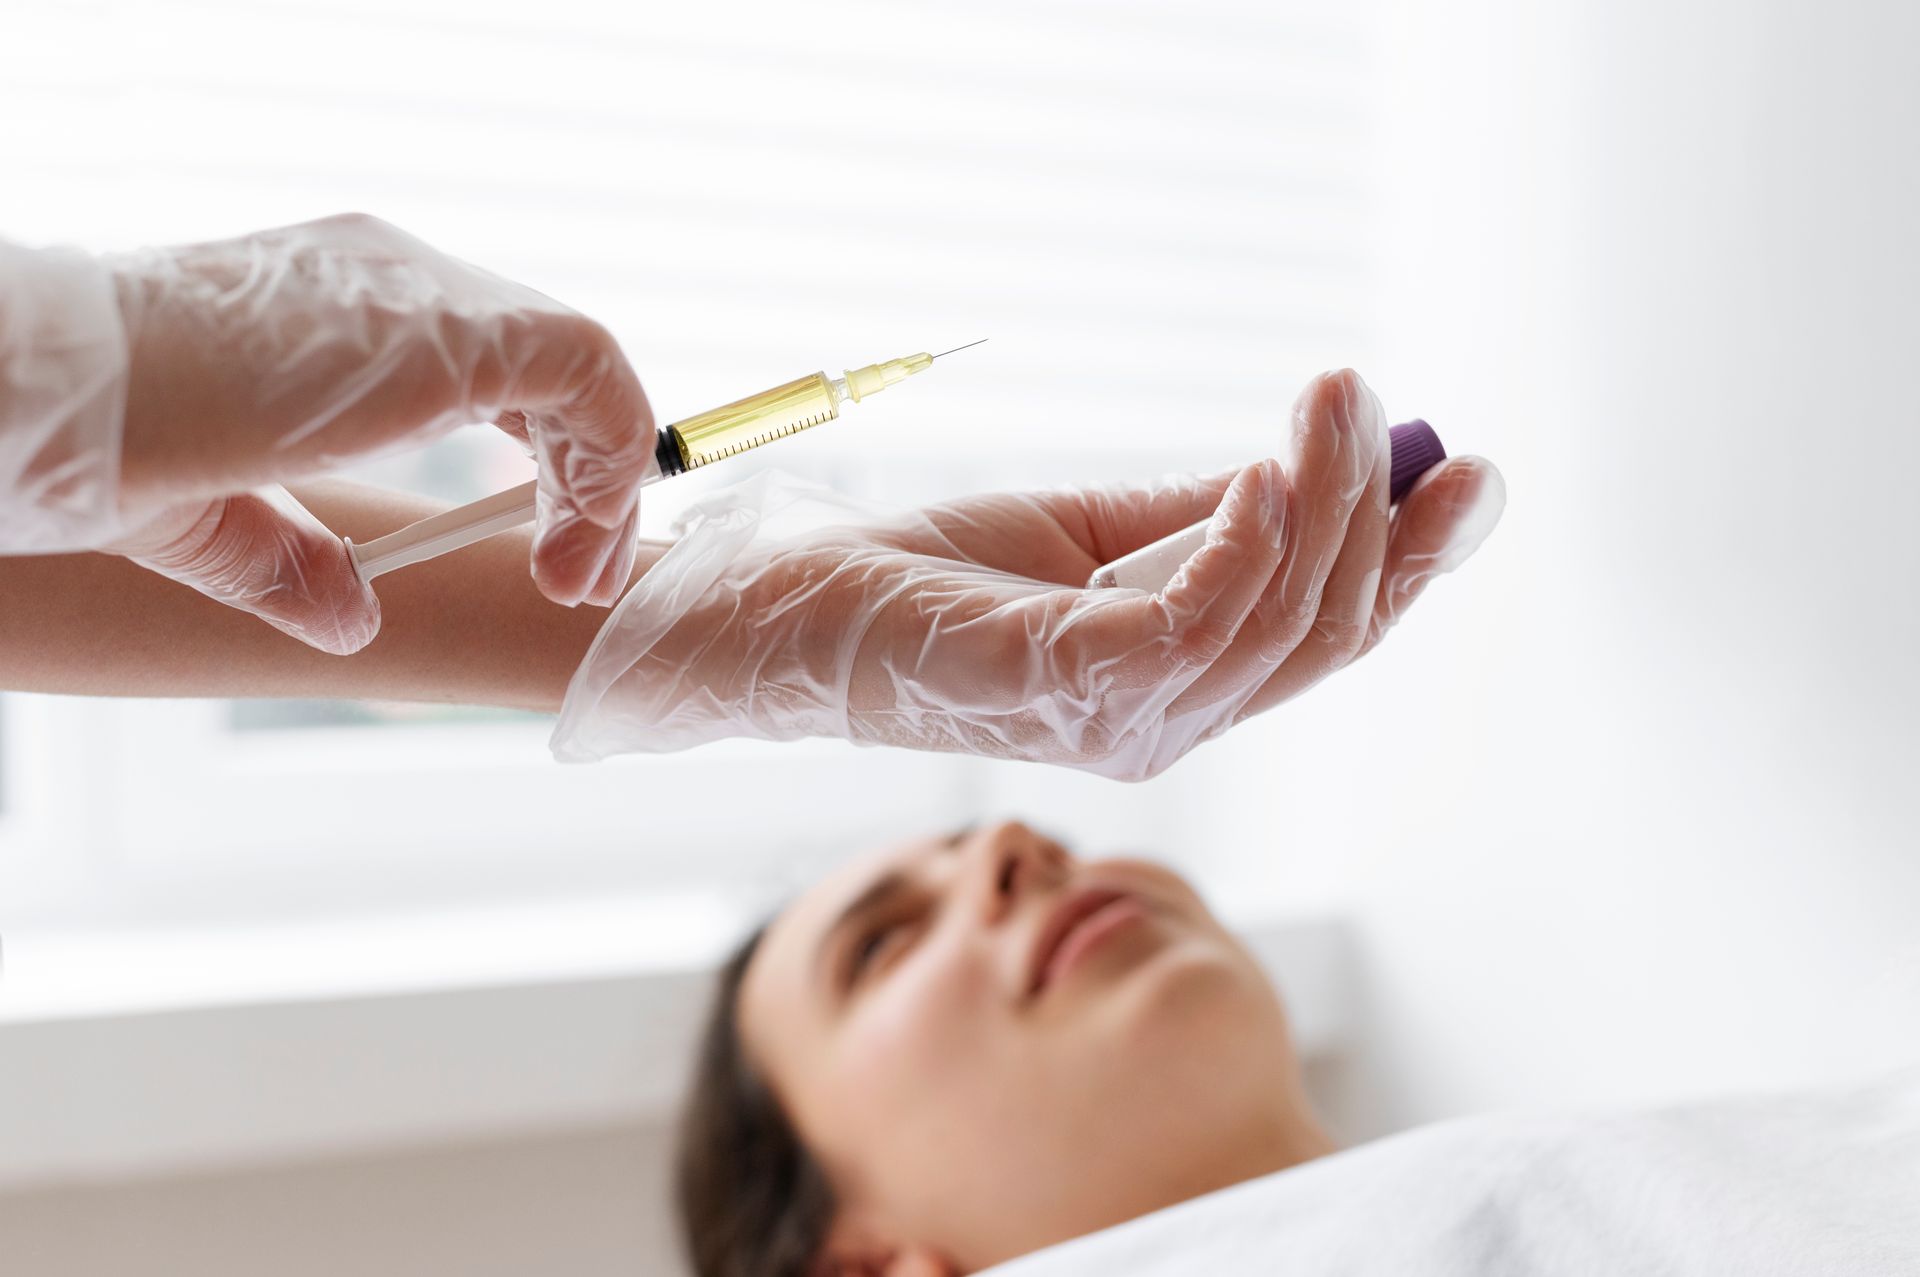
(784, 612)
(149, 402)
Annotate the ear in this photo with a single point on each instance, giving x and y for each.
(855, 1251)
(918, 1261)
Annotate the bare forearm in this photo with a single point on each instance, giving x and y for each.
(468, 628)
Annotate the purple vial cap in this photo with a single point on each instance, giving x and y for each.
(1416, 450)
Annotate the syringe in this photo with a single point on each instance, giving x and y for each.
(712, 436)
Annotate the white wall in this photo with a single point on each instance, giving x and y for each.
(586, 1204)
(1626, 810)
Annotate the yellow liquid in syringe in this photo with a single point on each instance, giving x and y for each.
(801, 404)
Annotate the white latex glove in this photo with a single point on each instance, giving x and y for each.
(151, 401)
(783, 612)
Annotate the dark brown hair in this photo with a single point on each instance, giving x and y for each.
(753, 1202)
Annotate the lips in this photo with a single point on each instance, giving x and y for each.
(1071, 924)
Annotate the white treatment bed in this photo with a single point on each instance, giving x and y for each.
(1823, 1184)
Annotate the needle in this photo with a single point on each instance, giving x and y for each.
(957, 349)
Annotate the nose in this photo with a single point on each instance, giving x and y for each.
(1009, 861)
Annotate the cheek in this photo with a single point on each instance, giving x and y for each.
(937, 1014)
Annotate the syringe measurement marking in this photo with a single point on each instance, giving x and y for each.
(747, 445)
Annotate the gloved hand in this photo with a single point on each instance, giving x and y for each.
(140, 393)
(782, 613)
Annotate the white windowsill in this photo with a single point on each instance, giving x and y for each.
(131, 1053)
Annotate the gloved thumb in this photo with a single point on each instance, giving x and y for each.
(263, 552)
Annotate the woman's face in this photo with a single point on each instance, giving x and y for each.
(990, 1046)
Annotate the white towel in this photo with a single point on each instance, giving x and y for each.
(1824, 1184)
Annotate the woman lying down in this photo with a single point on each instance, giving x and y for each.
(978, 1050)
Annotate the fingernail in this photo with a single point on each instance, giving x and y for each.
(560, 570)
(358, 625)
(1476, 522)
(1273, 502)
(336, 635)
(1369, 592)
(340, 616)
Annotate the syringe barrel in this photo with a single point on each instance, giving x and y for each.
(745, 424)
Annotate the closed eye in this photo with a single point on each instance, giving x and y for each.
(869, 928)
(869, 946)
(876, 947)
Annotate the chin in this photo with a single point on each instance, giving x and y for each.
(1195, 994)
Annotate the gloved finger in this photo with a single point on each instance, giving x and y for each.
(513, 424)
(1136, 639)
(572, 545)
(1338, 471)
(263, 552)
(1110, 522)
(613, 579)
(1440, 523)
(593, 437)
(558, 568)
(1090, 525)
(579, 406)
(1343, 614)
(571, 553)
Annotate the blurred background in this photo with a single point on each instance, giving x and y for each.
(1620, 815)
